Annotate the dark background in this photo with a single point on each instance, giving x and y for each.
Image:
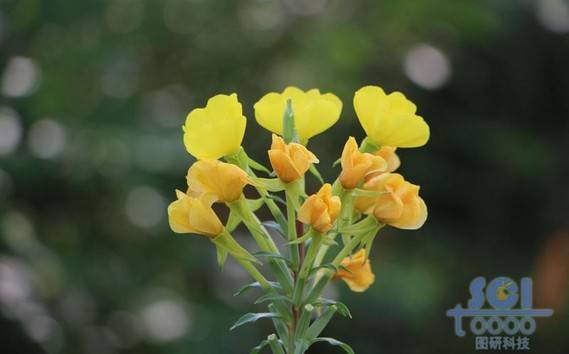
(92, 97)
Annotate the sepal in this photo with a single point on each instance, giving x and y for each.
(227, 243)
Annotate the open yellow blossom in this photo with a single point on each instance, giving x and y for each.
(360, 276)
(290, 161)
(320, 210)
(314, 112)
(397, 204)
(357, 165)
(223, 180)
(216, 130)
(193, 215)
(390, 119)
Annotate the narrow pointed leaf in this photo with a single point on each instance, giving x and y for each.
(276, 198)
(232, 221)
(270, 184)
(270, 255)
(252, 317)
(272, 298)
(255, 204)
(255, 285)
(334, 342)
(329, 266)
(221, 256)
(270, 224)
(342, 308)
(257, 166)
(260, 347)
(316, 173)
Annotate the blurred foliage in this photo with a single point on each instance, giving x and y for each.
(87, 261)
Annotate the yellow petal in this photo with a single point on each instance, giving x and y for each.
(216, 130)
(413, 216)
(313, 112)
(390, 119)
(178, 215)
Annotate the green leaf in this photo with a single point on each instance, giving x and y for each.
(255, 204)
(254, 285)
(232, 221)
(342, 308)
(321, 322)
(270, 255)
(272, 298)
(316, 173)
(270, 184)
(289, 130)
(329, 266)
(257, 166)
(334, 342)
(307, 236)
(272, 225)
(221, 256)
(276, 198)
(258, 348)
(252, 317)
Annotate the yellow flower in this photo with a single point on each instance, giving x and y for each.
(313, 112)
(320, 210)
(398, 203)
(290, 161)
(360, 276)
(225, 181)
(216, 130)
(193, 215)
(389, 155)
(356, 165)
(390, 119)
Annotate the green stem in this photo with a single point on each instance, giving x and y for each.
(265, 242)
(323, 281)
(304, 322)
(306, 268)
(252, 270)
(291, 220)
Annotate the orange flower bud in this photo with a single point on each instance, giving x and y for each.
(193, 215)
(290, 161)
(321, 209)
(360, 277)
(398, 203)
(357, 165)
(222, 180)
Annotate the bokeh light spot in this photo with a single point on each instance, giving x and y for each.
(10, 130)
(427, 66)
(554, 15)
(20, 78)
(165, 320)
(46, 139)
(144, 207)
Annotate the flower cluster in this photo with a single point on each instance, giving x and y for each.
(328, 235)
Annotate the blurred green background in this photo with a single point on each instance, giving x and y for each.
(92, 98)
